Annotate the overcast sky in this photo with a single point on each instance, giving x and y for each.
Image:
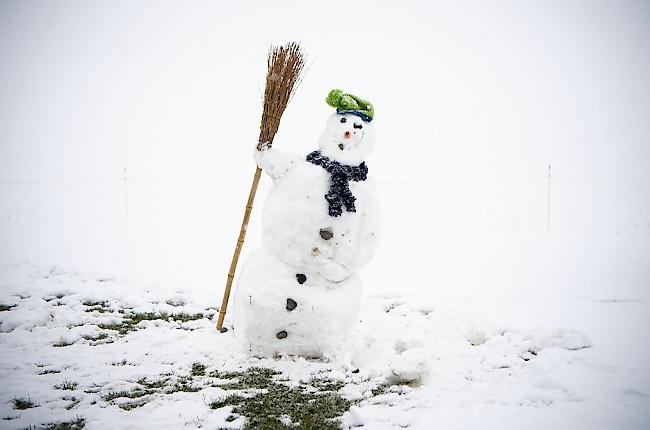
(173, 89)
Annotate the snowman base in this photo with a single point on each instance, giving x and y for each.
(276, 315)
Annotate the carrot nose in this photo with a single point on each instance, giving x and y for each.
(347, 135)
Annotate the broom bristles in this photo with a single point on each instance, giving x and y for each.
(285, 66)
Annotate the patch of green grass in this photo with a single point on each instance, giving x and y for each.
(198, 369)
(255, 377)
(102, 303)
(22, 403)
(101, 307)
(273, 400)
(183, 384)
(379, 390)
(62, 343)
(168, 386)
(134, 404)
(76, 424)
(123, 362)
(96, 337)
(160, 383)
(67, 385)
(138, 317)
(73, 402)
(326, 384)
(174, 303)
(132, 394)
(132, 319)
(4, 308)
(165, 385)
(233, 399)
(121, 328)
(53, 297)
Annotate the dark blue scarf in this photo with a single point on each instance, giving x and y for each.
(339, 194)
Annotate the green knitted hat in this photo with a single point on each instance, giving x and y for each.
(347, 103)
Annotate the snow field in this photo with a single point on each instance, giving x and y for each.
(473, 365)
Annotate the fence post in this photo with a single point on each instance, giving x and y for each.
(548, 202)
(126, 205)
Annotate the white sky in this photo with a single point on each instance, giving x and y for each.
(172, 89)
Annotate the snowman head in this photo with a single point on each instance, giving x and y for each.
(347, 138)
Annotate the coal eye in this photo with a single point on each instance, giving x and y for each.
(357, 125)
(343, 120)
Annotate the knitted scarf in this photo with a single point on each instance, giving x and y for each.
(339, 194)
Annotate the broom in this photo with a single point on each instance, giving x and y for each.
(285, 65)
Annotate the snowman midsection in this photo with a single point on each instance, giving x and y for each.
(318, 246)
(298, 227)
(264, 271)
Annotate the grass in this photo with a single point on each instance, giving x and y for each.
(22, 403)
(121, 328)
(73, 402)
(132, 405)
(67, 385)
(323, 385)
(272, 401)
(99, 306)
(198, 369)
(48, 371)
(57, 296)
(379, 390)
(175, 303)
(132, 319)
(129, 394)
(165, 385)
(184, 385)
(255, 377)
(76, 424)
(95, 303)
(233, 399)
(96, 337)
(254, 394)
(124, 362)
(62, 343)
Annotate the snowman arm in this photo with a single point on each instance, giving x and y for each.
(274, 162)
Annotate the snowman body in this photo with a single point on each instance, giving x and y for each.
(276, 315)
(299, 230)
(299, 294)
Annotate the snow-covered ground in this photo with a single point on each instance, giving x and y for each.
(507, 328)
(530, 360)
(473, 315)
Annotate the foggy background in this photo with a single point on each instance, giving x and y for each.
(474, 100)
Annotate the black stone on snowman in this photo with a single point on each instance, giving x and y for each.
(339, 194)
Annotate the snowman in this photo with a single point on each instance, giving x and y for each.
(300, 294)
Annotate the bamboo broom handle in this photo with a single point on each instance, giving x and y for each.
(240, 243)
